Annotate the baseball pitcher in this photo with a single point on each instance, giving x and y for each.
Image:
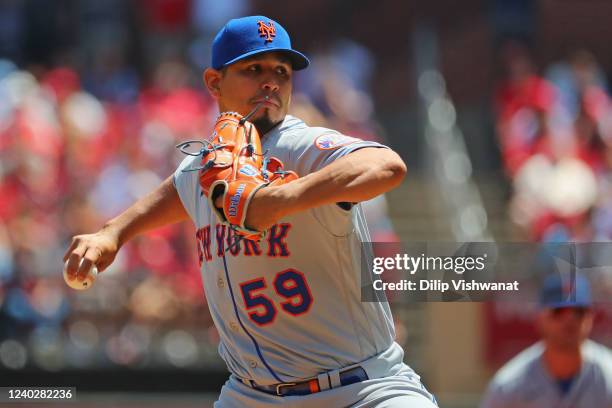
(279, 233)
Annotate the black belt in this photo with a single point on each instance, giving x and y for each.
(350, 376)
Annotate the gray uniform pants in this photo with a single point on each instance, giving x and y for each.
(403, 389)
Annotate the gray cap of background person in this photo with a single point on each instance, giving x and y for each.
(559, 292)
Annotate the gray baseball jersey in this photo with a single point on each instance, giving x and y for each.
(288, 308)
(524, 382)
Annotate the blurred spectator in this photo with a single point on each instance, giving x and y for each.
(524, 101)
(573, 77)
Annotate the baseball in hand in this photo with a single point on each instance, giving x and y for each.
(85, 283)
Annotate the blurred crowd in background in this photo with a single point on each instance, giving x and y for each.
(554, 126)
(80, 142)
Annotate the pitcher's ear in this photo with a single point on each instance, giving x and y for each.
(212, 79)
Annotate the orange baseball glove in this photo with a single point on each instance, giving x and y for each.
(234, 167)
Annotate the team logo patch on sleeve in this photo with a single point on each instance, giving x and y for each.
(333, 141)
(248, 170)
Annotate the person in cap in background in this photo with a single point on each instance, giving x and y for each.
(564, 369)
(293, 329)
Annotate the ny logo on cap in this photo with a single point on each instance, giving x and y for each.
(268, 31)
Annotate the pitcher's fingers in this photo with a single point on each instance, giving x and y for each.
(74, 259)
(73, 245)
(89, 260)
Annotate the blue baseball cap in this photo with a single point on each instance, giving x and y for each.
(557, 292)
(243, 37)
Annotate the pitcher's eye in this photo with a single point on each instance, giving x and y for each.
(282, 71)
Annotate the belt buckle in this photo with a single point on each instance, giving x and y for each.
(279, 386)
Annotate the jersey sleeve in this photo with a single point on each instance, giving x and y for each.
(187, 186)
(320, 147)
(311, 151)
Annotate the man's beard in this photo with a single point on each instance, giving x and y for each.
(264, 123)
